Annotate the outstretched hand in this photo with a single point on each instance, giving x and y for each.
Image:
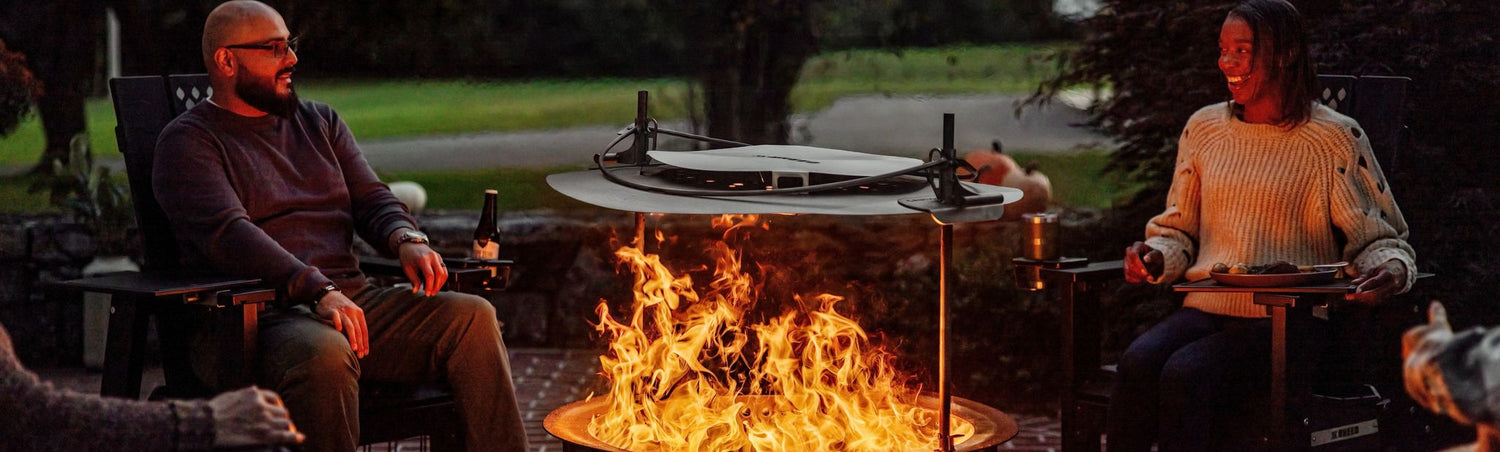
(251, 417)
(1142, 262)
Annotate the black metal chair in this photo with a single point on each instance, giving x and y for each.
(1374, 101)
(388, 411)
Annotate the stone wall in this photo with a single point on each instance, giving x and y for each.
(563, 265)
(34, 250)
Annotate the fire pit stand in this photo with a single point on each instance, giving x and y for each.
(632, 184)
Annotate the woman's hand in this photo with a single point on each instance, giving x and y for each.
(1379, 283)
(251, 417)
(1142, 262)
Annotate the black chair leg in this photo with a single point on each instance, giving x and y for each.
(1076, 292)
(1080, 344)
(235, 336)
(125, 348)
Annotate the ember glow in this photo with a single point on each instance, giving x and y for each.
(689, 372)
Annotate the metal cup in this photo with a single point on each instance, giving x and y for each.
(1041, 236)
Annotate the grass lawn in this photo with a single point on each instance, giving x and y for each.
(1077, 178)
(377, 109)
(520, 188)
(1017, 68)
(15, 198)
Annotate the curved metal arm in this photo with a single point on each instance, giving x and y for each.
(598, 160)
(697, 137)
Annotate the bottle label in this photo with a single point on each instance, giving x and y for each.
(490, 250)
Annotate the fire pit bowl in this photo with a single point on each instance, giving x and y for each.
(991, 426)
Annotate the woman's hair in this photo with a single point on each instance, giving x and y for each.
(1281, 43)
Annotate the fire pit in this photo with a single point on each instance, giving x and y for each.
(991, 427)
(689, 368)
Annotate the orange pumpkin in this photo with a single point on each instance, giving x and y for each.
(996, 168)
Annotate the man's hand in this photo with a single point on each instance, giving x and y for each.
(1142, 262)
(424, 267)
(1379, 283)
(251, 417)
(346, 317)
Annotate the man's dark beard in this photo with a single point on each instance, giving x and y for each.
(263, 96)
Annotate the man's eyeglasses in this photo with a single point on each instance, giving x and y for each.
(278, 49)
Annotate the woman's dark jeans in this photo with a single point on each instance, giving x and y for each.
(1177, 381)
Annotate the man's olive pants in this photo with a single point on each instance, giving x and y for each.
(451, 337)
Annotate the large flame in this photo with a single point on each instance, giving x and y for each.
(689, 372)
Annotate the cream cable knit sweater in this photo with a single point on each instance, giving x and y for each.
(1258, 193)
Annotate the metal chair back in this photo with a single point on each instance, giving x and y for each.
(1377, 103)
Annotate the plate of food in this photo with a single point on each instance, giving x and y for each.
(1276, 274)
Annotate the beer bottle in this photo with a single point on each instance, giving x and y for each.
(487, 235)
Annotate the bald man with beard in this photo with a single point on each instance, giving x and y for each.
(258, 183)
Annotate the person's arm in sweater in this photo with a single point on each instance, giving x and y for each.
(1171, 244)
(38, 416)
(379, 217)
(377, 213)
(1365, 211)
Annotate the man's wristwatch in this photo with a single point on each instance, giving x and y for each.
(412, 236)
(323, 291)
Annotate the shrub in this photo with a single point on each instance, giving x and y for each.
(91, 195)
(18, 89)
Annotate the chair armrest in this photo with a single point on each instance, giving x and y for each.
(1093, 272)
(141, 285)
(136, 296)
(479, 275)
(239, 297)
(464, 275)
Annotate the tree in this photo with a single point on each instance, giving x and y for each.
(748, 56)
(18, 89)
(928, 23)
(60, 40)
